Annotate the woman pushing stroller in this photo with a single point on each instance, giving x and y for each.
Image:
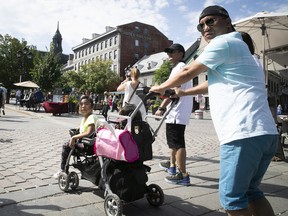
(86, 129)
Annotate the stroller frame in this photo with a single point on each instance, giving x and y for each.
(113, 205)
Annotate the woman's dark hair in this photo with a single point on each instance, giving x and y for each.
(87, 98)
(248, 40)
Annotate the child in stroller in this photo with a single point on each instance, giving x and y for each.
(121, 181)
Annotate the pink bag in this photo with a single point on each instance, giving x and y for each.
(118, 145)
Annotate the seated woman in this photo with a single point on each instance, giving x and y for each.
(87, 128)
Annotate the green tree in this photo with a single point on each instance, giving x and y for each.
(95, 77)
(47, 71)
(162, 74)
(11, 67)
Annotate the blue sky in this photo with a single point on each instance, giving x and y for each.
(36, 21)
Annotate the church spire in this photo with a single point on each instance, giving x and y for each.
(57, 41)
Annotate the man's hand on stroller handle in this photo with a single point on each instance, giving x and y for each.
(161, 91)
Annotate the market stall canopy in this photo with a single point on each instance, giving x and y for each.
(269, 31)
(27, 84)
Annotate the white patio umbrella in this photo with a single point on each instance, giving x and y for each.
(270, 34)
(28, 84)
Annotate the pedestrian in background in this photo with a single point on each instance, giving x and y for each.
(176, 122)
(3, 92)
(239, 110)
(129, 86)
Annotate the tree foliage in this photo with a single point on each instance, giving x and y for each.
(95, 77)
(162, 74)
(47, 71)
(11, 66)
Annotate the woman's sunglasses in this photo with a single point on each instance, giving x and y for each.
(209, 22)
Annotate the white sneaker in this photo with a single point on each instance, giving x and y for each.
(56, 175)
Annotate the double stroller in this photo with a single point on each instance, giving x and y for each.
(122, 181)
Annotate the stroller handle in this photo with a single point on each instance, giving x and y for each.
(145, 94)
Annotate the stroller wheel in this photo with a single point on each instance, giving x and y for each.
(113, 205)
(155, 196)
(63, 182)
(73, 180)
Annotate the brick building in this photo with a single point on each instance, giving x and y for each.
(124, 45)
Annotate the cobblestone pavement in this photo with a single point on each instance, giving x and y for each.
(30, 154)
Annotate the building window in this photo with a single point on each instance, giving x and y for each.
(106, 43)
(93, 49)
(105, 56)
(86, 52)
(101, 46)
(137, 29)
(75, 56)
(89, 61)
(115, 54)
(89, 50)
(115, 40)
(115, 68)
(110, 55)
(97, 47)
(110, 42)
(136, 56)
(195, 81)
(146, 31)
(136, 43)
(101, 57)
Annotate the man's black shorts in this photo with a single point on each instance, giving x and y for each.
(175, 135)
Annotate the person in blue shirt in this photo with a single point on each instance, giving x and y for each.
(239, 109)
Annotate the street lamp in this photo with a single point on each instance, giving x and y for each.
(24, 54)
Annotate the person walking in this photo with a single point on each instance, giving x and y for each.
(239, 110)
(176, 122)
(3, 92)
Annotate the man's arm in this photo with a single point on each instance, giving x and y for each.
(199, 89)
(187, 73)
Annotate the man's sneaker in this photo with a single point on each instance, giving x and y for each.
(178, 179)
(166, 167)
(3, 112)
(56, 175)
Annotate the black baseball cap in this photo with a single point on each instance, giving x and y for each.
(215, 10)
(173, 47)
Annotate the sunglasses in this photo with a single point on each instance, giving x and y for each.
(209, 22)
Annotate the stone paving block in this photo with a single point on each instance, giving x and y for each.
(2, 168)
(2, 190)
(25, 175)
(13, 189)
(66, 201)
(16, 170)
(200, 205)
(38, 182)
(7, 173)
(24, 166)
(41, 175)
(26, 185)
(82, 210)
(15, 179)
(40, 206)
(6, 183)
